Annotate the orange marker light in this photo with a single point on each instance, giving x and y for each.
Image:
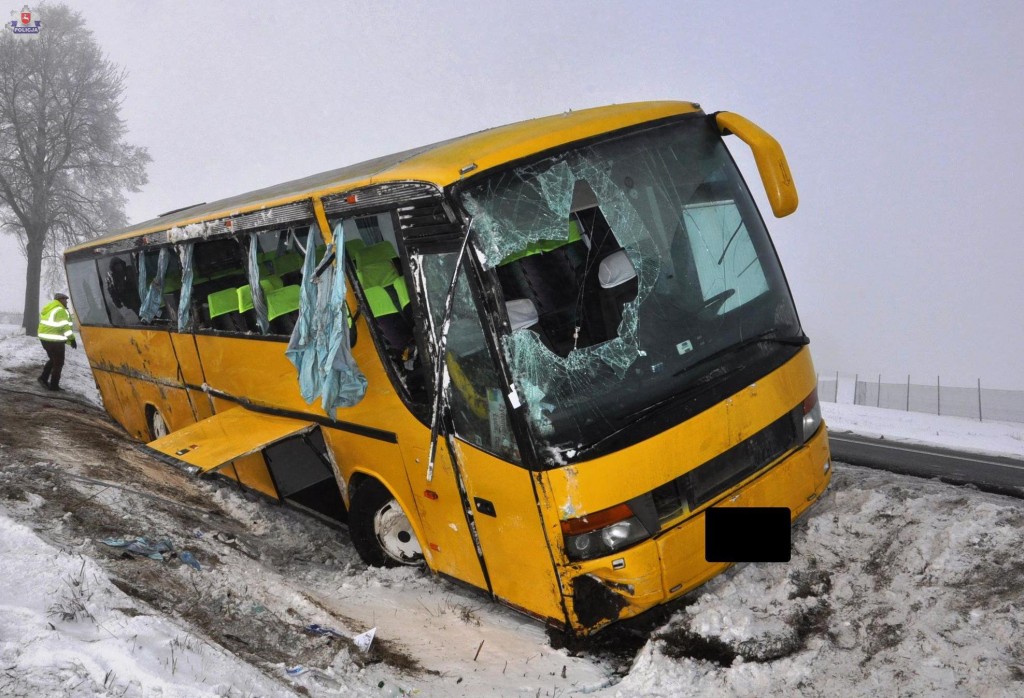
(599, 519)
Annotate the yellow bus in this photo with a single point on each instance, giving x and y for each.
(530, 358)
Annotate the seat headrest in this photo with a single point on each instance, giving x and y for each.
(615, 270)
(522, 313)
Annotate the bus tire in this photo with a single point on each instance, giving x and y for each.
(157, 424)
(380, 530)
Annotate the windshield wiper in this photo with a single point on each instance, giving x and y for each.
(769, 336)
(726, 248)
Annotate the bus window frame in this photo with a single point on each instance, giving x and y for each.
(240, 237)
(420, 411)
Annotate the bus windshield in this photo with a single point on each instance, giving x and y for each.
(635, 270)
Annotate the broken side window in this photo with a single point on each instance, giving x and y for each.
(86, 293)
(370, 245)
(121, 289)
(159, 275)
(629, 267)
(218, 268)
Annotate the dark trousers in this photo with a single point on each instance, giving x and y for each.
(54, 364)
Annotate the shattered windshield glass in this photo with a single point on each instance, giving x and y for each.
(633, 270)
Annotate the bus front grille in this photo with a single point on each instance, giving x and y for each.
(707, 481)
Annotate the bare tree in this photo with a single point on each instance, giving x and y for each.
(64, 164)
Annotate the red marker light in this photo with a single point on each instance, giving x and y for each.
(430, 494)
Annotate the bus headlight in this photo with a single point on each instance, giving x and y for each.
(812, 414)
(602, 533)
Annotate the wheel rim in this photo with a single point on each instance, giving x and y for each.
(395, 534)
(159, 426)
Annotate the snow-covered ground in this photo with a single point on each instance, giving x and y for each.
(990, 438)
(897, 586)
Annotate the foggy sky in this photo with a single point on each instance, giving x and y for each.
(902, 128)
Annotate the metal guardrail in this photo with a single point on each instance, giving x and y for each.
(976, 402)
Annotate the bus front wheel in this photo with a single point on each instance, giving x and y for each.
(380, 530)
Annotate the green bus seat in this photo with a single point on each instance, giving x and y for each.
(283, 300)
(222, 302)
(389, 299)
(389, 307)
(541, 246)
(222, 307)
(377, 274)
(172, 283)
(270, 283)
(287, 263)
(379, 252)
(283, 308)
(353, 246)
(245, 298)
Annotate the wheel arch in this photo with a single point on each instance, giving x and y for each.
(362, 474)
(151, 409)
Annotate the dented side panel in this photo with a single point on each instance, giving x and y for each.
(447, 540)
(513, 536)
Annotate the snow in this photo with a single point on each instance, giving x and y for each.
(897, 585)
(66, 628)
(990, 438)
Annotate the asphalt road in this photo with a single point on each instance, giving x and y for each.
(988, 473)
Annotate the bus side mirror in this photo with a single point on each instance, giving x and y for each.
(771, 161)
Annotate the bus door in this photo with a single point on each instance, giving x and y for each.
(501, 496)
(370, 247)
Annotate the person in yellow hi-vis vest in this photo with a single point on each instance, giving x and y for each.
(54, 332)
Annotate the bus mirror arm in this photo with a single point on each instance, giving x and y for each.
(771, 161)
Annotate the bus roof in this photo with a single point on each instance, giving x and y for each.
(439, 163)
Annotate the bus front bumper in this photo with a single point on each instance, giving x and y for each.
(672, 563)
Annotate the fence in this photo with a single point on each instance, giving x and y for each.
(975, 402)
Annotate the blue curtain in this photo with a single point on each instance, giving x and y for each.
(319, 345)
(185, 299)
(140, 259)
(258, 303)
(345, 384)
(154, 293)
